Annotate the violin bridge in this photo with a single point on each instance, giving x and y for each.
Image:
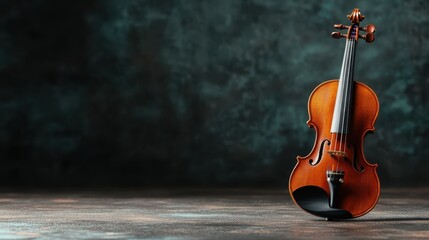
(334, 153)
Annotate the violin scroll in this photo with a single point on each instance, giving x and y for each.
(356, 17)
(353, 31)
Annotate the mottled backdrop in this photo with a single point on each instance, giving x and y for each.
(197, 93)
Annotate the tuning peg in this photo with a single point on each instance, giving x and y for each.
(341, 26)
(369, 37)
(368, 29)
(338, 35)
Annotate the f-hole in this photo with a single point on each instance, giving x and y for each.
(355, 164)
(319, 155)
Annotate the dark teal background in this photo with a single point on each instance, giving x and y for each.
(198, 93)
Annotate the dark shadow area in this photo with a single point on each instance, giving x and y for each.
(316, 201)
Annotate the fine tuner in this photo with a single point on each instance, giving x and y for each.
(353, 31)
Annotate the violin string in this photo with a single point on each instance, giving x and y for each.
(334, 146)
(342, 80)
(352, 59)
(345, 109)
(348, 93)
(344, 101)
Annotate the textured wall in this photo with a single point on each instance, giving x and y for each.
(197, 92)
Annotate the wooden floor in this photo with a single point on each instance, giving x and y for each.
(214, 214)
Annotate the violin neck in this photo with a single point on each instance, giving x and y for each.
(341, 116)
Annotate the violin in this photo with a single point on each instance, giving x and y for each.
(335, 181)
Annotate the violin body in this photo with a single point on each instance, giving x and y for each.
(360, 190)
(334, 180)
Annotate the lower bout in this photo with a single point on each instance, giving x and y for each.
(335, 198)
